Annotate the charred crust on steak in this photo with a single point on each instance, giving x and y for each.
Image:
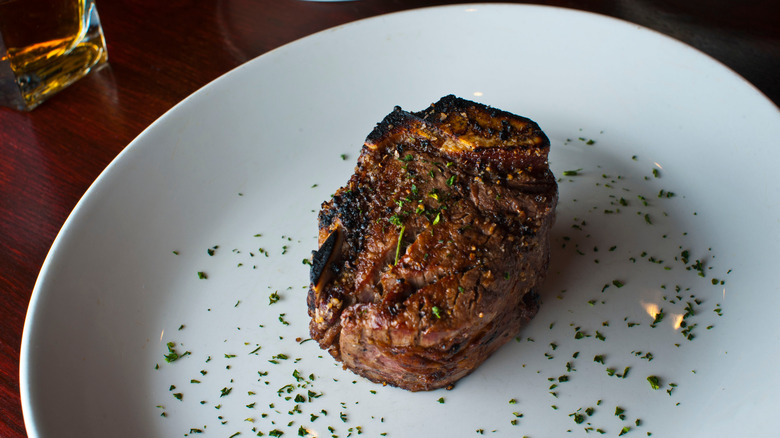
(431, 255)
(319, 258)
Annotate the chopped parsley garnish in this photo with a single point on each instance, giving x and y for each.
(172, 355)
(398, 247)
(658, 318)
(395, 220)
(698, 266)
(654, 382)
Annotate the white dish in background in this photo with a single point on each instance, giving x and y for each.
(242, 157)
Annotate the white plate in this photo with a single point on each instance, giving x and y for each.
(243, 155)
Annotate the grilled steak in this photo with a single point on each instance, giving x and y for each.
(431, 256)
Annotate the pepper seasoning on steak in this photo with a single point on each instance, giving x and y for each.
(431, 256)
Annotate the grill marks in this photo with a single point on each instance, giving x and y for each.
(441, 238)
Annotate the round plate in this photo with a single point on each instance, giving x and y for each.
(173, 301)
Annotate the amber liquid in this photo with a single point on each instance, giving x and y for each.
(49, 44)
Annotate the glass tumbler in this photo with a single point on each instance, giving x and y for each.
(46, 45)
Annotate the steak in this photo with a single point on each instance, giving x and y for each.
(432, 255)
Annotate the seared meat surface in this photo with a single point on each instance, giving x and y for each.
(431, 256)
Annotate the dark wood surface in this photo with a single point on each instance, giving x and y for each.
(160, 52)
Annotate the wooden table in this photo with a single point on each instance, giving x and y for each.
(160, 52)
